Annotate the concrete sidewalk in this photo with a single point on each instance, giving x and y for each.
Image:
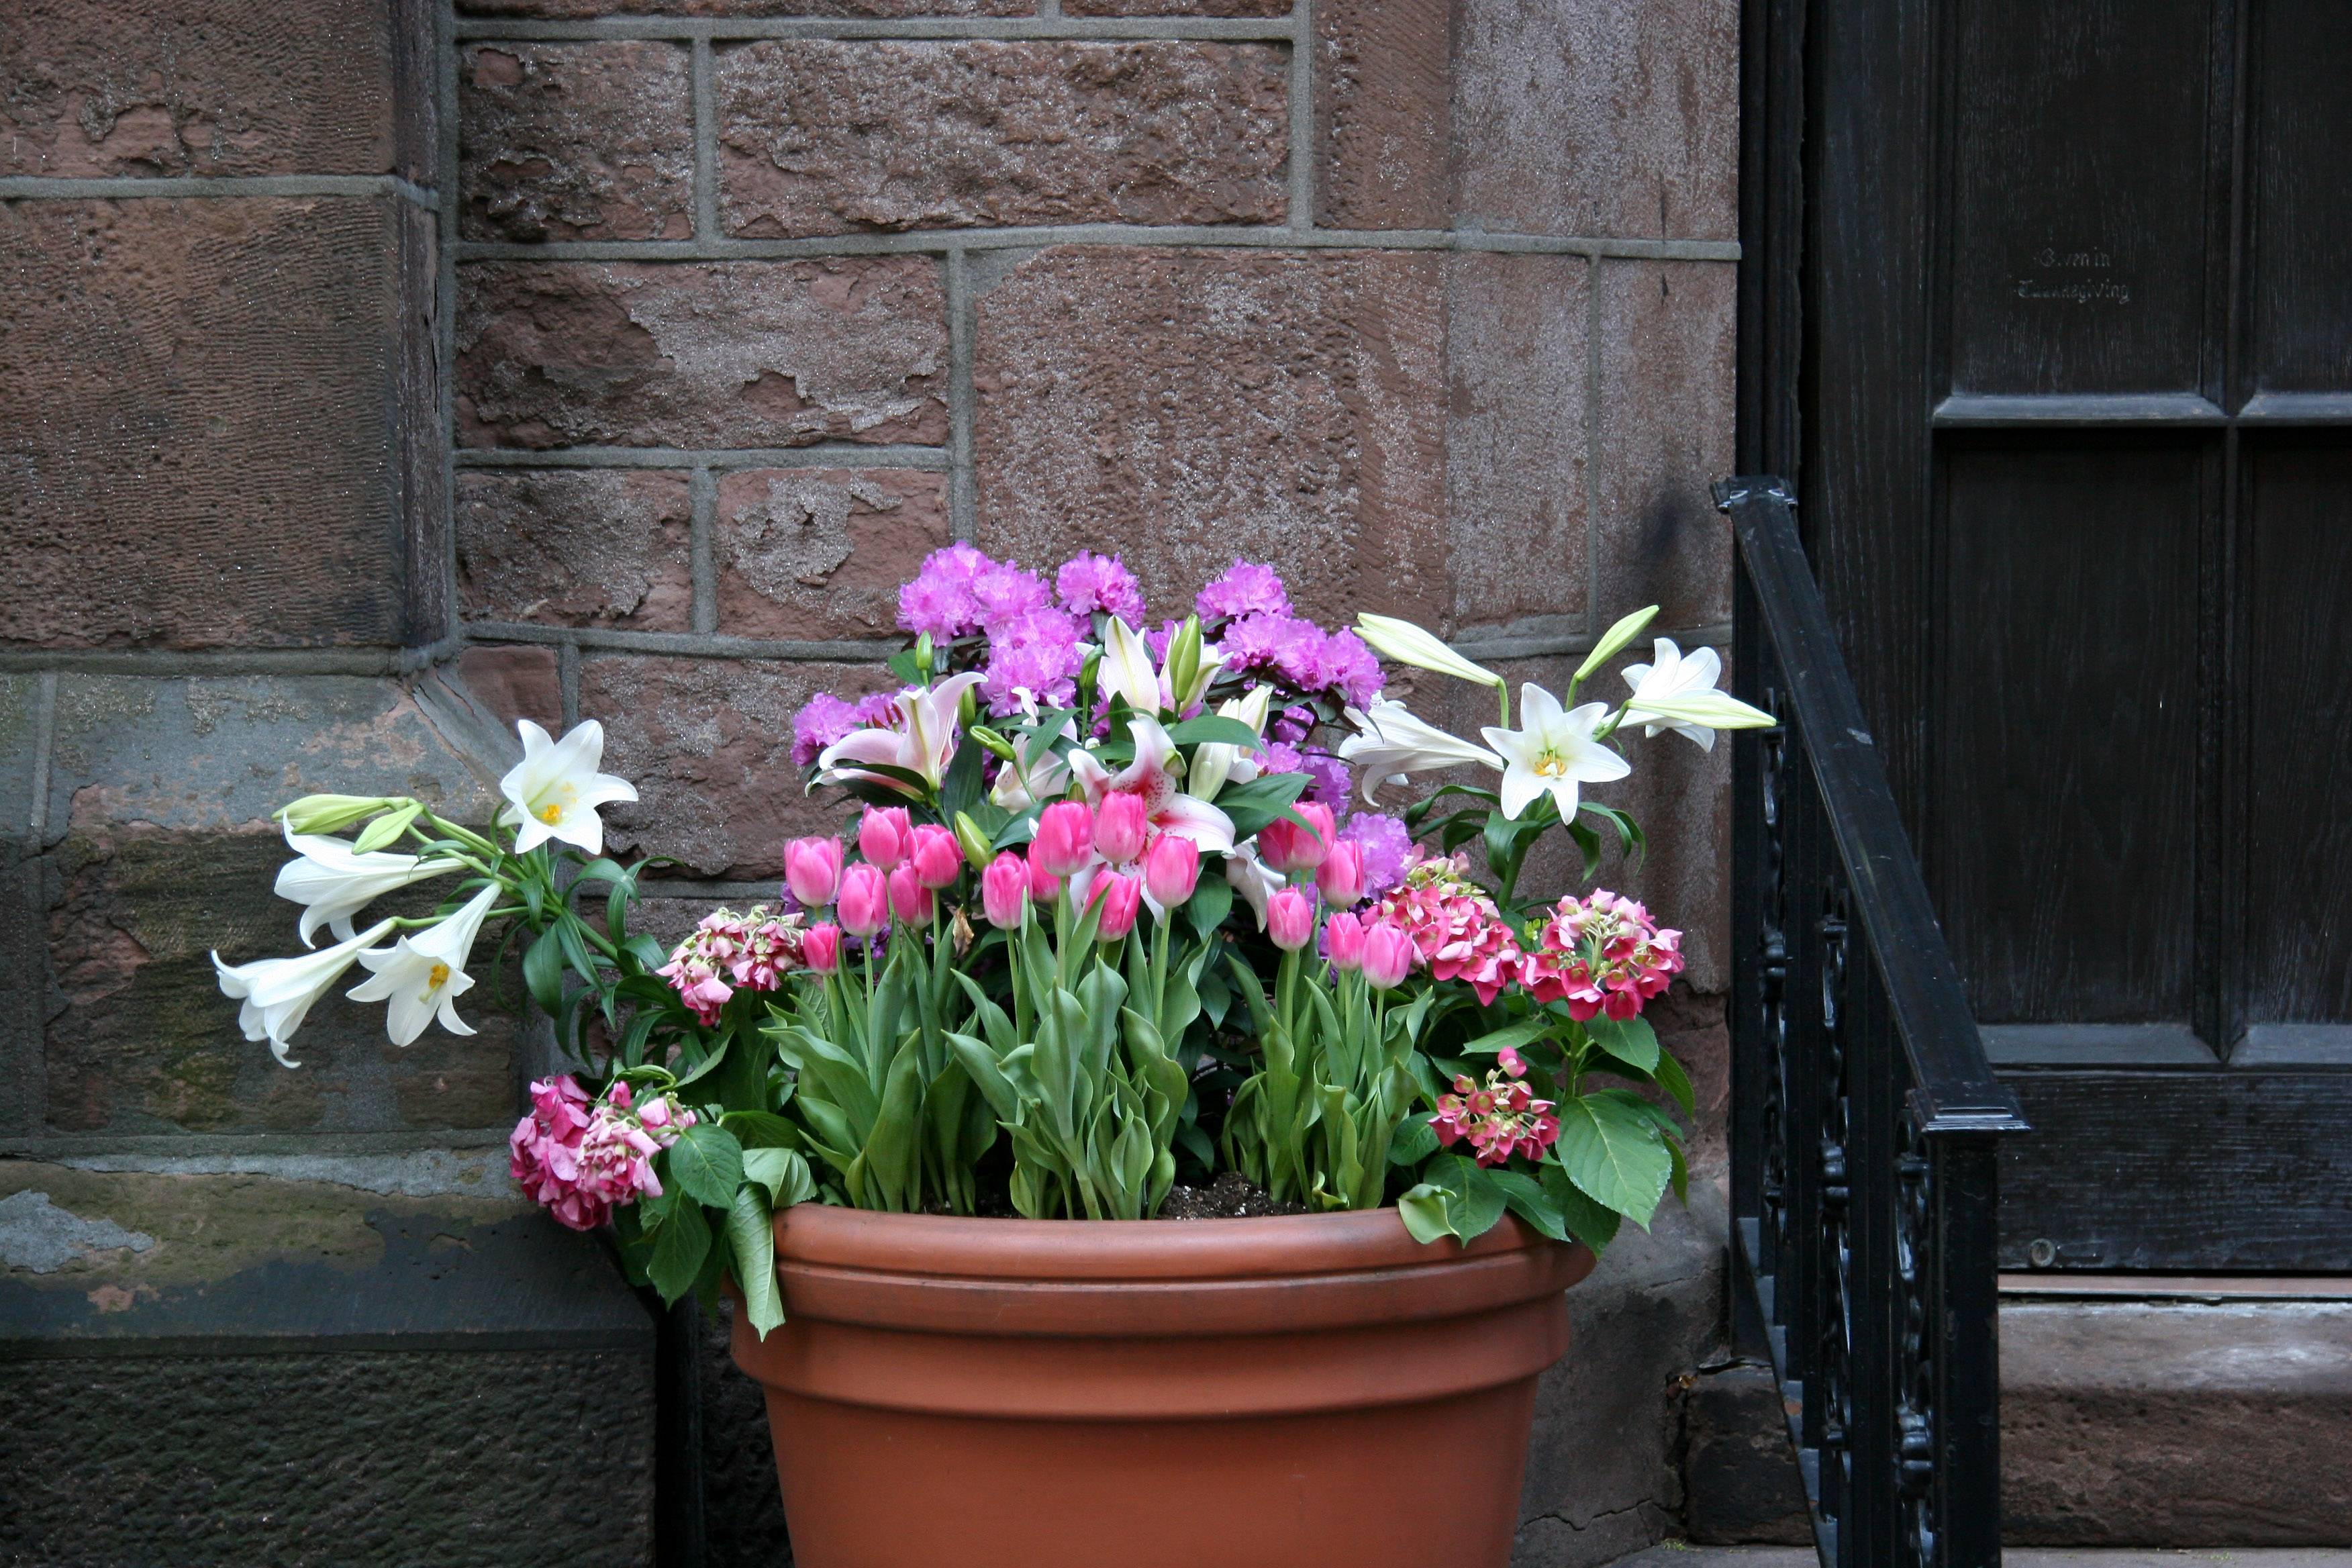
(1674, 1555)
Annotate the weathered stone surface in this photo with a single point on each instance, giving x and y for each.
(1599, 119)
(1739, 1474)
(834, 137)
(1176, 8)
(591, 140)
(1196, 406)
(2188, 1424)
(100, 89)
(1516, 452)
(1667, 340)
(709, 743)
(577, 547)
(515, 682)
(1603, 1477)
(743, 1511)
(1383, 132)
(204, 414)
(820, 552)
(736, 353)
(586, 8)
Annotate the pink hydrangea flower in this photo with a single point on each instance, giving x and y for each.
(1090, 584)
(1603, 953)
(1246, 589)
(1498, 1119)
(756, 950)
(1457, 932)
(581, 1159)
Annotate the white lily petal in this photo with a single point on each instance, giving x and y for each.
(1409, 644)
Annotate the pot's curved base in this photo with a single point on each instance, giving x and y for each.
(1410, 1486)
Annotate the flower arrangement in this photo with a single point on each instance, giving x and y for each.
(1119, 909)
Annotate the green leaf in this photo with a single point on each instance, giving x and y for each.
(782, 1172)
(679, 1247)
(706, 1162)
(1512, 1035)
(1614, 1154)
(1675, 1083)
(542, 973)
(760, 1129)
(1253, 804)
(711, 1060)
(1211, 900)
(575, 949)
(1414, 1142)
(1454, 1199)
(1631, 1041)
(904, 664)
(1586, 1220)
(1216, 727)
(960, 790)
(750, 1236)
(384, 830)
(1528, 1200)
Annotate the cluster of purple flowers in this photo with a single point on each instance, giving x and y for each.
(826, 718)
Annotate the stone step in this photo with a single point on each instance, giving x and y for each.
(1679, 1554)
(2218, 1419)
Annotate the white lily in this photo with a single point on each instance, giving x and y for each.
(333, 884)
(422, 975)
(1126, 671)
(1556, 752)
(1677, 692)
(279, 993)
(1389, 743)
(1216, 763)
(1409, 644)
(1033, 775)
(1151, 775)
(923, 741)
(555, 790)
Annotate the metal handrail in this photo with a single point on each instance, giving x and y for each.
(1863, 1183)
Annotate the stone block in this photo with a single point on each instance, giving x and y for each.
(820, 552)
(1603, 1477)
(212, 421)
(227, 1369)
(709, 745)
(1516, 452)
(116, 89)
(821, 137)
(2212, 1425)
(743, 1511)
(1620, 121)
(1383, 127)
(1740, 1473)
(515, 682)
(1196, 406)
(577, 547)
(590, 141)
(1176, 8)
(1667, 340)
(568, 9)
(726, 354)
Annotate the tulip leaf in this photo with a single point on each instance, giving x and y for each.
(542, 972)
(1216, 729)
(1211, 900)
(679, 1247)
(960, 790)
(1614, 1154)
(751, 1238)
(1266, 797)
(1631, 1040)
(1586, 1220)
(706, 1162)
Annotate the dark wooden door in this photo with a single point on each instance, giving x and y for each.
(2049, 313)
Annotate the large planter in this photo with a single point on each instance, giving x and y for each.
(1201, 1393)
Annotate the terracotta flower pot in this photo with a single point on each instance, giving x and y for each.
(1019, 1393)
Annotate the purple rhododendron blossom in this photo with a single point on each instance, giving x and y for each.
(939, 600)
(1350, 668)
(1387, 850)
(1089, 582)
(878, 711)
(1294, 724)
(1331, 779)
(1004, 592)
(1036, 652)
(1289, 648)
(1246, 589)
(822, 719)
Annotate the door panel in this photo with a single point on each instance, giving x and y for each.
(2079, 232)
(2300, 151)
(2067, 885)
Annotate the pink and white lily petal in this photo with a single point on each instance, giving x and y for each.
(1165, 804)
(921, 744)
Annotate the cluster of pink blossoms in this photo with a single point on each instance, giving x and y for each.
(581, 1159)
(1501, 1118)
(1603, 954)
(755, 950)
(1457, 931)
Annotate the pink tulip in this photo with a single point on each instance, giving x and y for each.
(910, 902)
(1172, 869)
(813, 871)
(1064, 843)
(821, 947)
(1341, 875)
(1290, 920)
(1387, 954)
(937, 857)
(1118, 892)
(885, 834)
(1343, 941)
(865, 906)
(1004, 891)
(1287, 846)
(1119, 825)
(1044, 886)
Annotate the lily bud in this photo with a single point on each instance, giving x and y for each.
(1409, 644)
(1613, 642)
(330, 812)
(993, 744)
(1181, 667)
(972, 841)
(924, 653)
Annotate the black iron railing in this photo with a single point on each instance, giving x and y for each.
(1862, 1141)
